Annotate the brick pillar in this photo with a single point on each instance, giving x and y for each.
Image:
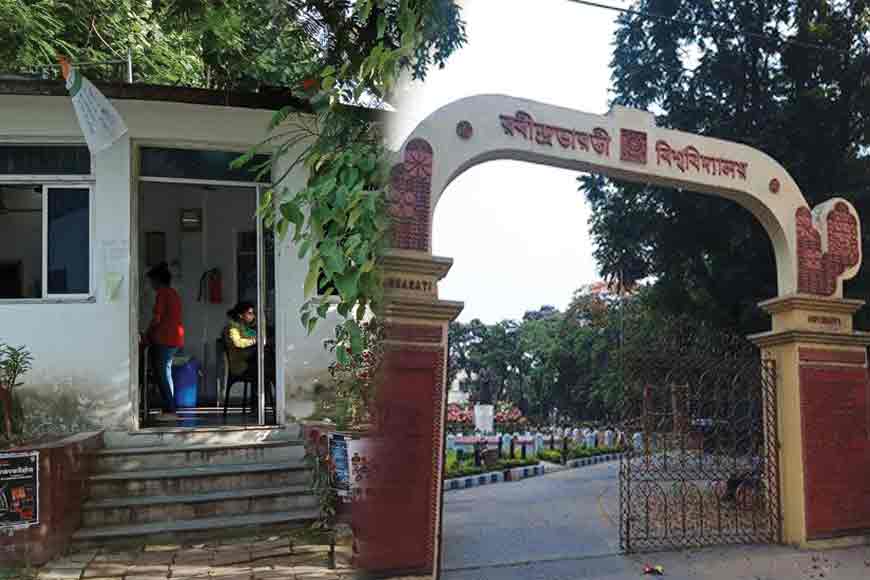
(823, 418)
(399, 526)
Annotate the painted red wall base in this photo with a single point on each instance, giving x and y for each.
(395, 524)
(835, 411)
(64, 467)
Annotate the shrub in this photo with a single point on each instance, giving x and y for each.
(551, 455)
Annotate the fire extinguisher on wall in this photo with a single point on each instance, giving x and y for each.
(211, 287)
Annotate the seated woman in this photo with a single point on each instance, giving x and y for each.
(240, 337)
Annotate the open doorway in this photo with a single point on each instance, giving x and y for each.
(208, 235)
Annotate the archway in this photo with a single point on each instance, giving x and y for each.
(815, 252)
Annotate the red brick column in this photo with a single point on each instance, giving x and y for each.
(398, 524)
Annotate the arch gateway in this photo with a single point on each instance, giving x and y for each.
(819, 417)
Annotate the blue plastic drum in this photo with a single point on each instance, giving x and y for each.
(185, 379)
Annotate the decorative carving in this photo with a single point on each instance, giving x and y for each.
(817, 272)
(773, 186)
(632, 146)
(524, 125)
(689, 158)
(410, 192)
(464, 130)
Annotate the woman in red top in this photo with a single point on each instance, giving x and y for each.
(166, 331)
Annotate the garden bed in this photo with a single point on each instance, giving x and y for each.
(467, 468)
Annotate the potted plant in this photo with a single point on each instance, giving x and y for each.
(14, 363)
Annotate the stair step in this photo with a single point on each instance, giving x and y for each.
(162, 456)
(147, 509)
(187, 530)
(196, 479)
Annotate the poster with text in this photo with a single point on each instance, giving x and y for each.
(19, 490)
(338, 451)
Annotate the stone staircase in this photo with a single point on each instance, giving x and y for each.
(185, 490)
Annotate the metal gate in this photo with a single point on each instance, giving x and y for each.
(701, 469)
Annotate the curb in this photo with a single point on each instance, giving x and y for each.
(515, 474)
(593, 460)
(519, 473)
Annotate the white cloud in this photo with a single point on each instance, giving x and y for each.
(518, 233)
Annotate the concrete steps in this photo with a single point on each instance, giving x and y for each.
(195, 487)
(155, 457)
(191, 530)
(154, 509)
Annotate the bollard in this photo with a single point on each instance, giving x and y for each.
(523, 449)
(477, 454)
(499, 447)
(513, 447)
(552, 441)
(564, 450)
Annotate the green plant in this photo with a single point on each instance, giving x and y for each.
(322, 484)
(359, 351)
(550, 455)
(15, 362)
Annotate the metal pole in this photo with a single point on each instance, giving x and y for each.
(129, 65)
(261, 322)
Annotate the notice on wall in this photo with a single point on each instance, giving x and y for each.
(116, 264)
(19, 490)
(338, 451)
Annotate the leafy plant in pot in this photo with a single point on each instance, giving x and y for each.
(15, 362)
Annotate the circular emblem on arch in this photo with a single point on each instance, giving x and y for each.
(773, 186)
(464, 130)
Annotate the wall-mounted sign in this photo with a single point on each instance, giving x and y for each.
(191, 220)
(19, 490)
(338, 451)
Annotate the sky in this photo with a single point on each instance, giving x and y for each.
(517, 232)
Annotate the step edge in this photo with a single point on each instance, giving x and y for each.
(119, 503)
(184, 473)
(155, 449)
(109, 532)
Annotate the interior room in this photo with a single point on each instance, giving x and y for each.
(207, 236)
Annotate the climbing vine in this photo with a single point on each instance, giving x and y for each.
(338, 220)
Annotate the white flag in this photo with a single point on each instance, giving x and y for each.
(100, 122)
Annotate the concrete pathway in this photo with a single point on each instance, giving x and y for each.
(252, 558)
(563, 526)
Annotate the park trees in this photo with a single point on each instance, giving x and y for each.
(788, 77)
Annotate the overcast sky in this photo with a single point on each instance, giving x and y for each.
(517, 232)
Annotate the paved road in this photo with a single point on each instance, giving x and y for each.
(562, 526)
(553, 517)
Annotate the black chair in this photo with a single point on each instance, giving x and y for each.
(248, 379)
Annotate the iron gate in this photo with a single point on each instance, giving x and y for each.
(701, 468)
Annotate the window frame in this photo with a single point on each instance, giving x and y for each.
(64, 297)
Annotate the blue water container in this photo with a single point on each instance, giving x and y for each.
(185, 379)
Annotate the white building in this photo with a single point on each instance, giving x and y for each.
(78, 232)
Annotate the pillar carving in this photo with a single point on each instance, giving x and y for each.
(823, 406)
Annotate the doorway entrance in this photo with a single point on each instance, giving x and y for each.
(220, 256)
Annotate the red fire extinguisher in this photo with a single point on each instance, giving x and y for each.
(211, 286)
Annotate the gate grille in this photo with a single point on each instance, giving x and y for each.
(702, 467)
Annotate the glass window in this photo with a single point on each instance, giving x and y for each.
(194, 164)
(44, 231)
(68, 223)
(20, 241)
(44, 160)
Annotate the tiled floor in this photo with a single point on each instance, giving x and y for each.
(255, 558)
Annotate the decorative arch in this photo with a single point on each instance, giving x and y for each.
(815, 250)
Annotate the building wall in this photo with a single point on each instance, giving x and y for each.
(82, 351)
